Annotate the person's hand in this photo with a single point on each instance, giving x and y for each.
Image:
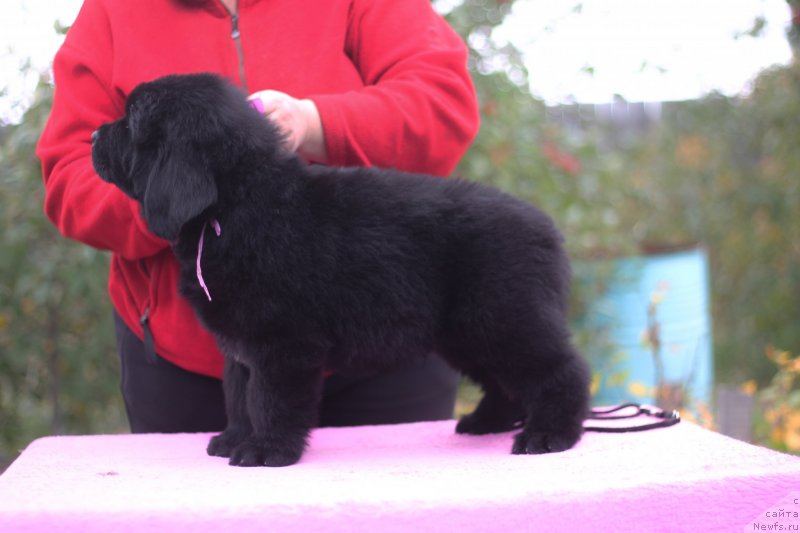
(298, 120)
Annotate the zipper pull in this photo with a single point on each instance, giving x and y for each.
(235, 26)
(148, 342)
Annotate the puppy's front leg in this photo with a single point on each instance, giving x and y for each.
(283, 395)
(239, 427)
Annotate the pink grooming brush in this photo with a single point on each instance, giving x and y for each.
(258, 105)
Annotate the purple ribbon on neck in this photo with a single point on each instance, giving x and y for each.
(200, 279)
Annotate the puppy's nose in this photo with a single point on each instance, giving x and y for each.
(95, 135)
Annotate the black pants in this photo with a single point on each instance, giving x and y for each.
(161, 397)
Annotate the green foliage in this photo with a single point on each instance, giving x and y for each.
(778, 416)
(57, 359)
(726, 172)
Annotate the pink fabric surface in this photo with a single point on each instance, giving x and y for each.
(412, 477)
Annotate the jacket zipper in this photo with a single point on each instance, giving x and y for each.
(236, 36)
(144, 321)
(148, 342)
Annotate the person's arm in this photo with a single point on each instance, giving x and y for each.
(81, 205)
(418, 111)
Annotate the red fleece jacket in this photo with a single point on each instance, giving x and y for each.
(388, 76)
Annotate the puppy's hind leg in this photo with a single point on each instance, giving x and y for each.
(239, 427)
(556, 398)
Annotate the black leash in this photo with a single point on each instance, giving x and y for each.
(666, 418)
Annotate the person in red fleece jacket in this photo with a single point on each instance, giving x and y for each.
(351, 82)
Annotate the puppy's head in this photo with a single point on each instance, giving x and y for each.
(179, 135)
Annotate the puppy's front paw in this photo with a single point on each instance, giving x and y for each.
(254, 453)
(536, 442)
(223, 444)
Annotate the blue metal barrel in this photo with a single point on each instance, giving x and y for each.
(656, 308)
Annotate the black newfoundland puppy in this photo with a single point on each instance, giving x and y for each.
(297, 269)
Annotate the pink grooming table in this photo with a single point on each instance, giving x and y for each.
(412, 477)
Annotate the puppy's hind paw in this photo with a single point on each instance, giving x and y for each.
(254, 453)
(537, 442)
(223, 444)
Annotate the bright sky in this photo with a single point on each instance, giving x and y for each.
(27, 32)
(644, 50)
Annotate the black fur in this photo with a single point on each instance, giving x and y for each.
(345, 269)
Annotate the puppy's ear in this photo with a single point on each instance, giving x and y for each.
(179, 188)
